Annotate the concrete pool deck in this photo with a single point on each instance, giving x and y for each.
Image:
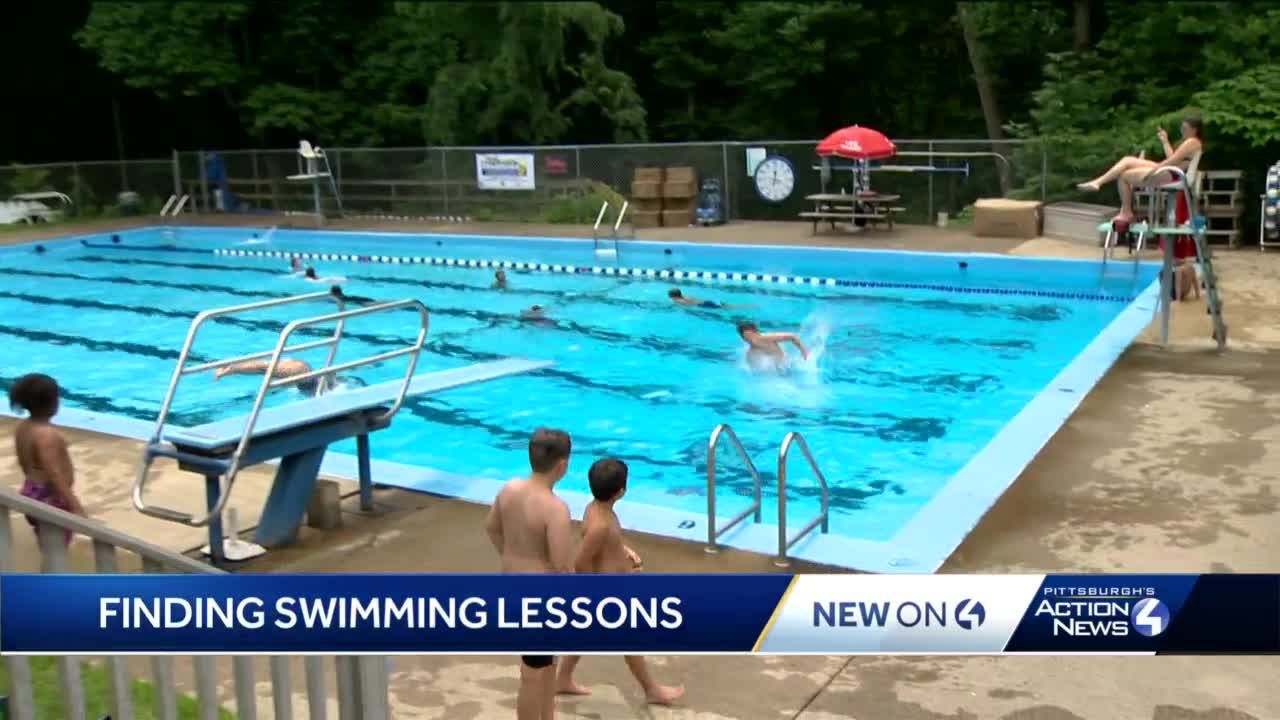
(1166, 466)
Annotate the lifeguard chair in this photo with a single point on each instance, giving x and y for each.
(1182, 235)
(313, 167)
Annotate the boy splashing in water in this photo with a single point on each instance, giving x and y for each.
(603, 552)
(764, 350)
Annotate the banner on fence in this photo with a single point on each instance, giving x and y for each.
(600, 614)
(504, 171)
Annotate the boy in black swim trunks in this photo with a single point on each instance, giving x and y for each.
(679, 298)
(529, 527)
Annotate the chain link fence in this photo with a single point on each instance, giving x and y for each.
(570, 181)
(95, 187)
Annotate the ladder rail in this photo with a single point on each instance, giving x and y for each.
(713, 533)
(1195, 228)
(270, 382)
(595, 229)
(785, 543)
(180, 369)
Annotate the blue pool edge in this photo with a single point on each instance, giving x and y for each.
(922, 545)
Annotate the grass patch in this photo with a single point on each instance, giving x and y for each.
(47, 693)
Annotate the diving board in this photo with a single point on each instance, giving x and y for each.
(223, 433)
(297, 433)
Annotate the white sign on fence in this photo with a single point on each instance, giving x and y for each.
(504, 171)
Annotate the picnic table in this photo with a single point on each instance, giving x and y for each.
(870, 208)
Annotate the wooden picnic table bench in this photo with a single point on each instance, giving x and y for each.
(870, 208)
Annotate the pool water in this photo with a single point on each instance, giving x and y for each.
(904, 387)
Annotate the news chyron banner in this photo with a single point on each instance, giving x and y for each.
(655, 614)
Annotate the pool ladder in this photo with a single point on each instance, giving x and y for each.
(600, 248)
(785, 541)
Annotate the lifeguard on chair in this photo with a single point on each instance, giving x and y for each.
(1133, 171)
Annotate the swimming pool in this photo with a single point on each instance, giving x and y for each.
(936, 378)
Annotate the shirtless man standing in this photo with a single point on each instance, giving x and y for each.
(763, 349)
(529, 527)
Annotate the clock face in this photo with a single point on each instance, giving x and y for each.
(775, 179)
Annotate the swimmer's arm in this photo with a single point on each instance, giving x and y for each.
(788, 337)
(592, 543)
(493, 526)
(54, 457)
(560, 538)
(249, 367)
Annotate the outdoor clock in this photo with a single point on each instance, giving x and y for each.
(775, 178)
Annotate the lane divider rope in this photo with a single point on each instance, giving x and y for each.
(665, 274)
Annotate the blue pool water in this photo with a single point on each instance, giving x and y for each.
(917, 367)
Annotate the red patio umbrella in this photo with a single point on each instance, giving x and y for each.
(857, 143)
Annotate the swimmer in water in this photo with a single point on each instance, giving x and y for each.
(336, 292)
(500, 280)
(286, 368)
(764, 350)
(295, 264)
(310, 276)
(679, 298)
(537, 315)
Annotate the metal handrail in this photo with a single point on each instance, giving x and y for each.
(98, 532)
(785, 543)
(595, 229)
(180, 369)
(270, 382)
(723, 430)
(618, 223)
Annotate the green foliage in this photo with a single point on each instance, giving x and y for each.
(28, 179)
(581, 207)
(47, 693)
(1152, 65)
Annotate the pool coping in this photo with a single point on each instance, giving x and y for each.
(921, 545)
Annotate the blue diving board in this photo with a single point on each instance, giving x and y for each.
(223, 433)
(299, 433)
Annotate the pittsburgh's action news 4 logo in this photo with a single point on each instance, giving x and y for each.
(1103, 612)
(968, 614)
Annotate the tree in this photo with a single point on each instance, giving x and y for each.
(516, 72)
(982, 79)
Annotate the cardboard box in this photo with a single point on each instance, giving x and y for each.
(645, 219)
(648, 174)
(679, 189)
(645, 189)
(682, 173)
(998, 217)
(677, 218)
(653, 205)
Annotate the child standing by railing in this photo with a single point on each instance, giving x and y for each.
(47, 471)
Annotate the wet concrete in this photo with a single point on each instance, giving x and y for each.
(1168, 465)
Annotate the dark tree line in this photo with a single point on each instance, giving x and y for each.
(1093, 77)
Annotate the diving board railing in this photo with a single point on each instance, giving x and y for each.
(229, 467)
(713, 533)
(786, 542)
(361, 690)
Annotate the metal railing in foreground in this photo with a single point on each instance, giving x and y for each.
(786, 543)
(714, 533)
(361, 687)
